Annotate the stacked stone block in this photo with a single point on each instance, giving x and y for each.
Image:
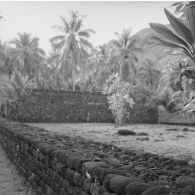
(60, 165)
(52, 106)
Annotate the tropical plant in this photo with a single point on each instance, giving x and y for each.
(118, 97)
(50, 77)
(180, 7)
(5, 66)
(182, 37)
(26, 54)
(172, 75)
(11, 90)
(101, 65)
(141, 93)
(126, 53)
(73, 44)
(149, 74)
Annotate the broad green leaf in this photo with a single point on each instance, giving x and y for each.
(173, 45)
(180, 28)
(177, 3)
(168, 34)
(191, 17)
(179, 9)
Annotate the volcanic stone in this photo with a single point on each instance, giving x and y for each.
(157, 190)
(118, 183)
(136, 188)
(125, 132)
(183, 181)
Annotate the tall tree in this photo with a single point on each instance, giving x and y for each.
(104, 63)
(72, 43)
(126, 52)
(27, 54)
(149, 74)
(6, 67)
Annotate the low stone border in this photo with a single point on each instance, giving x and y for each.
(59, 165)
(178, 124)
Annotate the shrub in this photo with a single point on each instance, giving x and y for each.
(118, 97)
(142, 113)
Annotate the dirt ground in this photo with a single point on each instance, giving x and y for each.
(10, 182)
(168, 140)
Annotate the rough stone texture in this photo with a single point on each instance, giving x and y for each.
(61, 106)
(184, 181)
(57, 164)
(136, 188)
(125, 132)
(157, 190)
(53, 106)
(118, 183)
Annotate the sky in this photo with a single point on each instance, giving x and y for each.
(38, 17)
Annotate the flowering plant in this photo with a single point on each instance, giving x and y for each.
(118, 96)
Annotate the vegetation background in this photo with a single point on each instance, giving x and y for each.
(155, 67)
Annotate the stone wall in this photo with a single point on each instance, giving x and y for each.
(59, 165)
(73, 106)
(61, 106)
(175, 118)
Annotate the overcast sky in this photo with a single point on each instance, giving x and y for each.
(105, 18)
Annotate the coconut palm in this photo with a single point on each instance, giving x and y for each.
(126, 52)
(149, 74)
(104, 63)
(11, 90)
(26, 54)
(72, 43)
(6, 67)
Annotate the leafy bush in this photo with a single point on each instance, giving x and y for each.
(142, 113)
(11, 90)
(118, 97)
(141, 93)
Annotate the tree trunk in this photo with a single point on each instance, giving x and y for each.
(73, 71)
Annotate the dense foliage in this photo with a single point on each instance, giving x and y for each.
(118, 97)
(117, 68)
(181, 37)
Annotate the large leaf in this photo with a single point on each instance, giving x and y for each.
(172, 45)
(177, 3)
(190, 107)
(191, 17)
(180, 28)
(168, 34)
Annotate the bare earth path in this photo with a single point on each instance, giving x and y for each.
(10, 182)
(172, 141)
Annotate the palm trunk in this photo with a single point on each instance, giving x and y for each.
(73, 71)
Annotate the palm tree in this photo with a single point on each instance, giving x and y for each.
(104, 63)
(72, 43)
(149, 74)
(5, 66)
(27, 54)
(126, 52)
(13, 89)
